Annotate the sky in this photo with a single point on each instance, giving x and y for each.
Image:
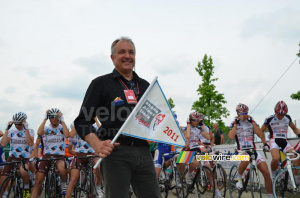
(51, 50)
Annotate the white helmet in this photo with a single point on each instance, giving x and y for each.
(53, 112)
(19, 117)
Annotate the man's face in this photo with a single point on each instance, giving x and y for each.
(215, 126)
(54, 120)
(279, 116)
(123, 57)
(194, 122)
(19, 126)
(243, 116)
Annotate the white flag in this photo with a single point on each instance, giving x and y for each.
(152, 119)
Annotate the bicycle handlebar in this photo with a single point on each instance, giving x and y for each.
(22, 162)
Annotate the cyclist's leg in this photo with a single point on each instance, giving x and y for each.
(157, 162)
(74, 175)
(263, 168)
(63, 172)
(274, 149)
(41, 173)
(40, 176)
(25, 177)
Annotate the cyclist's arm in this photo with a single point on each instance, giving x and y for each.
(5, 139)
(36, 146)
(70, 149)
(222, 138)
(232, 132)
(205, 133)
(41, 130)
(259, 132)
(187, 132)
(294, 128)
(29, 139)
(66, 130)
(1, 133)
(72, 132)
(212, 139)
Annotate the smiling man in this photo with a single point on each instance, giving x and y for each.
(111, 98)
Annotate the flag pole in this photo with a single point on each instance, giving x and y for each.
(131, 114)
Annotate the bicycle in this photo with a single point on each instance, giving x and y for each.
(52, 182)
(285, 184)
(14, 182)
(170, 180)
(220, 175)
(86, 183)
(204, 180)
(255, 187)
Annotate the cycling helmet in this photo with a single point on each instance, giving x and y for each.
(195, 115)
(19, 117)
(53, 112)
(242, 108)
(281, 108)
(175, 115)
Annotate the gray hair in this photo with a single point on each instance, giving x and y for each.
(123, 38)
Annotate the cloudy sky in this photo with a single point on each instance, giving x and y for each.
(51, 50)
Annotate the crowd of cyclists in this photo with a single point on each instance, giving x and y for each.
(51, 142)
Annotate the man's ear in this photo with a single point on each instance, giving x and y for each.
(112, 57)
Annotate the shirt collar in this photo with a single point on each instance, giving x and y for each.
(116, 74)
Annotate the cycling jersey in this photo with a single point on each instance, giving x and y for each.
(162, 148)
(18, 145)
(54, 140)
(278, 128)
(80, 145)
(194, 137)
(244, 135)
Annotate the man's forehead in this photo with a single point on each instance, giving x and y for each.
(124, 45)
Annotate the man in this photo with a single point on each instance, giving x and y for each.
(20, 139)
(54, 141)
(218, 134)
(278, 125)
(111, 98)
(242, 130)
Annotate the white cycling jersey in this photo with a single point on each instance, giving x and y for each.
(278, 128)
(194, 137)
(203, 139)
(54, 140)
(80, 145)
(244, 135)
(18, 145)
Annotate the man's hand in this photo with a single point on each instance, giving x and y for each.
(104, 148)
(9, 124)
(201, 123)
(266, 147)
(61, 118)
(236, 121)
(250, 119)
(46, 115)
(188, 121)
(25, 125)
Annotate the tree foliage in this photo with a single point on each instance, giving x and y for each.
(171, 103)
(210, 101)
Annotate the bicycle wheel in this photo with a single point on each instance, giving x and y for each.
(205, 181)
(176, 183)
(255, 186)
(163, 184)
(47, 186)
(52, 187)
(220, 178)
(234, 192)
(8, 184)
(282, 184)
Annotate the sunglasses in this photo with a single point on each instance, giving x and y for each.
(245, 113)
(53, 117)
(195, 120)
(18, 124)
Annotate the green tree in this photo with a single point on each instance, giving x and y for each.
(210, 102)
(171, 103)
(296, 96)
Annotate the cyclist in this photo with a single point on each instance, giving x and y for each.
(54, 139)
(20, 139)
(242, 130)
(82, 148)
(278, 125)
